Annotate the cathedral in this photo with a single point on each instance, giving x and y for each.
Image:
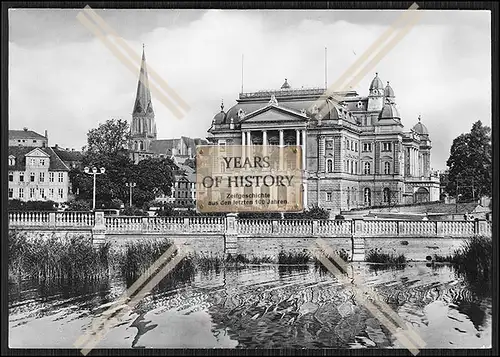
(143, 136)
(357, 153)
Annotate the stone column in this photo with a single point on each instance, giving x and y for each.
(264, 137)
(249, 138)
(304, 153)
(321, 158)
(297, 137)
(243, 141)
(281, 137)
(99, 229)
(231, 235)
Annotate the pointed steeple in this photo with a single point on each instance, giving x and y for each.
(143, 127)
(143, 102)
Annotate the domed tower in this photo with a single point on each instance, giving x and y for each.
(285, 85)
(389, 93)
(376, 96)
(143, 127)
(220, 117)
(424, 158)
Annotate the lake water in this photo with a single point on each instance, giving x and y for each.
(259, 307)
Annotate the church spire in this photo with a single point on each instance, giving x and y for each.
(143, 103)
(143, 127)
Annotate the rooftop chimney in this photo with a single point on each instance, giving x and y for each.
(25, 128)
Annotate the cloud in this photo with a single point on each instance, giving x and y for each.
(440, 70)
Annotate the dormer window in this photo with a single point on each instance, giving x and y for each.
(12, 160)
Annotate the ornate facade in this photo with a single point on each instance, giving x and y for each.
(357, 153)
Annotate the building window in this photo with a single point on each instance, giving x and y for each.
(367, 168)
(42, 162)
(387, 147)
(51, 177)
(367, 146)
(34, 141)
(21, 192)
(11, 192)
(42, 176)
(32, 192)
(32, 162)
(329, 197)
(32, 177)
(387, 168)
(60, 192)
(387, 195)
(51, 193)
(21, 177)
(347, 143)
(352, 145)
(345, 166)
(61, 177)
(11, 177)
(12, 161)
(356, 167)
(42, 193)
(356, 146)
(368, 196)
(352, 167)
(329, 165)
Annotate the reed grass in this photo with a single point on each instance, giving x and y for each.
(68, 259)
(377, 256)
(285, 258)
(474, 256)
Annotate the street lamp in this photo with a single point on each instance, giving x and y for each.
(130, 185)
(94, 172)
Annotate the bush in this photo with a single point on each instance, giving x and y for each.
(313, 213)
(133, 211)
(18, 205)
(259, 215)
(79, 205)
(116, 203)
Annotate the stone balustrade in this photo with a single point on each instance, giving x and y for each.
(255, 226)
(249, 227)
(333, 228)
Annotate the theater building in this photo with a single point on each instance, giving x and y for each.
(357, 153)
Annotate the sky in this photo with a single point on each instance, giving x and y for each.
(63, 79)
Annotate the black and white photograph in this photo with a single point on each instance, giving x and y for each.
(379, 235)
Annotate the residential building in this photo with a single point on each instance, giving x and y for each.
(37, 174)
(27, 137)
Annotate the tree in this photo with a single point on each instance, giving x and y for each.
(470, 164)
(109, 138)
(154, 178)
(191, 163)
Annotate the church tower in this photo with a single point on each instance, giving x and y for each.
(143, 127)
(376, 96)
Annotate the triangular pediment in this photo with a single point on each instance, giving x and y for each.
(272, 113)
(37, 153)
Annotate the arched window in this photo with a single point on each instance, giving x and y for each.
(141, 145)
(387, 168)
(356, 167)
(367, 168)
(368, 197)
(387, 195)
(329, 165)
